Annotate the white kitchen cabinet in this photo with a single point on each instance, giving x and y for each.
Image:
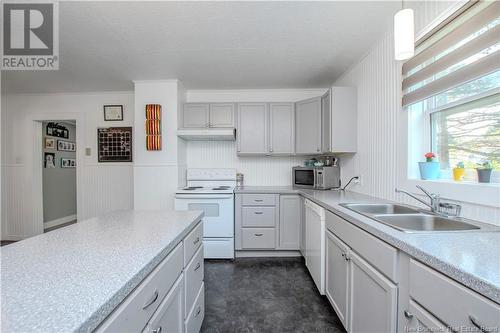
(308, 126)
(339, 120)
(281, 128)
(337, 275)
(315, 244)
(289, 222)
(221, 115)
(302, 226)
(170, 314)
(195, 115)
(420, 320)
(252, 131)
(372, 298)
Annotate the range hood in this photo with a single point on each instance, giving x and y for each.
(209, 134)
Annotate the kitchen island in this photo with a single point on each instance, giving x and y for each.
(71, 279)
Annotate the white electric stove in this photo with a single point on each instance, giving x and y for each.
(212, 191)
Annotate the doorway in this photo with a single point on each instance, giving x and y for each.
(59, 177)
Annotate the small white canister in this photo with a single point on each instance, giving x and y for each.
(240, 178)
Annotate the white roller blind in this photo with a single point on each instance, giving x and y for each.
(464, 50)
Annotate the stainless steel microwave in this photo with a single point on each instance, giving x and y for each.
(320, 178)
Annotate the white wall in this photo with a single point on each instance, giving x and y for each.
(101, 187)
(157, 173)
(382, 125)
(258, 170)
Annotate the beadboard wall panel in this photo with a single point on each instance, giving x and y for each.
(383, 125)
(258, 170)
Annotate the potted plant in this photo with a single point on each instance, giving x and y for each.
(484, 172)
(459, 171)
(430, 168)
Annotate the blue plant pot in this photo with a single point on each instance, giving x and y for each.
(429, 170)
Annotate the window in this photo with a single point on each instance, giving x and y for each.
(451, 88)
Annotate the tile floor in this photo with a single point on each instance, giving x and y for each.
(261, 295)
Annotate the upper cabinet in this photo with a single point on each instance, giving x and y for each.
(281, 128)
(308, 126)
(252, 128)
(208, 115)
(339, 120)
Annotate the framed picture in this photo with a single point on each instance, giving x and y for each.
(68, 162)
(58, 130)
(50, 143)
(63, 145)
(49, 160)
(113, 112)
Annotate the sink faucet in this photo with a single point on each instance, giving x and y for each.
(434, 198)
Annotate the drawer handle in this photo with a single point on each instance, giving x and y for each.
(196, 240)
(198, 312)
(258, 200)
(151, 301)
(197, 267)
(158, 330)
(476, 323)
(343, 254)
(408, 314)
(258, 235)
(258, 213)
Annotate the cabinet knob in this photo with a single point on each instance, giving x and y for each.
(317, 149)
(408, 314)
(151, 301)
(271, 149)
(158, 330)
(343, 254)
(197, 267)
(207, 125)
(478, 325)
(258, 235)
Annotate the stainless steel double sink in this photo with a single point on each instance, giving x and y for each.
(408, 219)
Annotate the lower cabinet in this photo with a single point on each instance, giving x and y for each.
(372, 298)
(169, 317)
(289, 222)
(337, 275)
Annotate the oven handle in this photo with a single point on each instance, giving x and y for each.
(203, 196)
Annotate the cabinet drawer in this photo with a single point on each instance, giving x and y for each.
(378, 253)
(258, 238)
(192, 242)
(258, 216)
(452, 303)
(195, 316)
(135, 311)
(258, 199)
(194, 277)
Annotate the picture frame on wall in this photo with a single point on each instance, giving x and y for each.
(49, 160)
(63, 145)
(113, 112)
(68, 162)
(57, 130)
(50, 143)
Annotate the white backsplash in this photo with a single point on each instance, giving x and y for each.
(258, 170)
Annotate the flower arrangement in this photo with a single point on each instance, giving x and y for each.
(484, 171)
(430, 156)
(485, 165)
(459, 171)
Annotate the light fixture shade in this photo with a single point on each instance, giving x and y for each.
(404, 34)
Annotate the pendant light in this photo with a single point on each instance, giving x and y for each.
(404, 34)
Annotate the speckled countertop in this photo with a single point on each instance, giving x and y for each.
(72, 278)
(471, 258)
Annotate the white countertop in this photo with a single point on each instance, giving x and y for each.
(72, 278)
(471, 258)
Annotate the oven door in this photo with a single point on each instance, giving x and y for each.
(218, 220)
(304, 178)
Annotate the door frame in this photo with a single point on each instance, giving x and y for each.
(37, 162)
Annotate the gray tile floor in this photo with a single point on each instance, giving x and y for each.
(264, 295)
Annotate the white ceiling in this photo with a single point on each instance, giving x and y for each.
(207, 45)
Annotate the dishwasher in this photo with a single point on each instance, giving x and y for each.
(315, 243)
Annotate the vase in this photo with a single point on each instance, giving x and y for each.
(458, 174)
(484, 175)
(429, 170)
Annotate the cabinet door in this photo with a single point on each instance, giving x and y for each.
(308, 126)
(326, 122)
(372, 299)
(195, 115)
(222, 115)
(336, 284)
(281, 128)
(289, 226)
(252, 128)
(170, 314)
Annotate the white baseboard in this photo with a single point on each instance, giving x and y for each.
(59, 221)
(250, 254)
